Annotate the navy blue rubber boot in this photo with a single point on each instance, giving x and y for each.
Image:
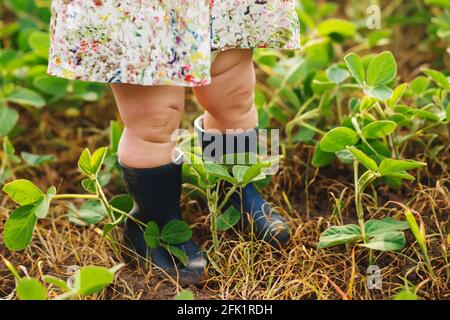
(156, 193)
(258, 215)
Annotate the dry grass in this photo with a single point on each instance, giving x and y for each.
(245, 269)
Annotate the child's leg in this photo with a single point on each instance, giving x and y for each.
(229, 105)
(228, 101)
(150, 115)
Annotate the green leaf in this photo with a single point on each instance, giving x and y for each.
(27, 97)
(377, 227)
(19, 228)
(97, 159)
(381, 93)
(322, 158)
(37, 159)
(8, 120)
(176, 232)
(382, 69)
(239, 172)
(122, 202)
(337, 75)
(338, 139)
(219, 171)
(406, 295)
(84, 163)
(39, 43)
(338, 235)
(356, 68)
(51, 85)
(419, 85)
(115, 133)
(151, 235)
(378, 129)
(56, 282)
(30, 289)
(91, 212)
(90, 185)
(185, 294)
(23, 192)
(332, 26)
(391, 166)
(438, 77)
(92, 279)
(178, 253)
(255, 173)
(228, 219)
(389, 241)
(364, 159)
(397, 95)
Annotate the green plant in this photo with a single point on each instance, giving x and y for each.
(87, 280)
(211, 177)
(34, 204)
(367, 137)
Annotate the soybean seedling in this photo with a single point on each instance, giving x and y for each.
(86, 281)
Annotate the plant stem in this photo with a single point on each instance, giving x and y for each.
(358, 200)
(75, 196)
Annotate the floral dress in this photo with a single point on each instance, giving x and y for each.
(161, 42)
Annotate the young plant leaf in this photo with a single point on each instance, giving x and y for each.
(185, 294)
(177, 253)
(376, 227)
(37, 159)
(337, 75)
(91, 212)
(381, 70)
(23, 192)
(438, 77)
(364, 159)
(239, 172)
(19, 228)
(84, 163)
(92, 279)
(8, 120)
(56, 282)
(378, 129)
(90, 185)
(219, 171)
(30, 289)
(355, 67)
(151, 235)
(381, 93)
(338, 139)
(390, 167)
(228, 219)
(97, 159)
(322, 158)
(176, 232)
(397, 95)
(338, 235)
(27, 97)
(122, 202)
(388, 241)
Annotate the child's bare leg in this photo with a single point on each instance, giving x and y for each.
(150, 115)
(228, 101)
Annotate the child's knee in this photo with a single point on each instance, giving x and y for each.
(155, 124)
(232, 90)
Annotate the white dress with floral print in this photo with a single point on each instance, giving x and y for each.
(161, 42)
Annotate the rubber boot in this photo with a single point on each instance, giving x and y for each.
(156, 193)
(257, 214)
